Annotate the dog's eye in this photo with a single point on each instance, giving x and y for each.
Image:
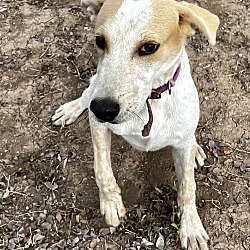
(100, 42)
(148, 48)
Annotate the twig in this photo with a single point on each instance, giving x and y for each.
(29, 213)
(216, 204)
(54, 132)
(42, 55)
(212, 201)
(35, 116)
(235, 149)
(129, 231)
(243, 177)
(14, 192)
(241, 150)
(76, 68)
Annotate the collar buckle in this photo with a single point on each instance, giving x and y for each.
(155, 94)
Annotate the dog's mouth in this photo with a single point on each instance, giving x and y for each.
(111, 122)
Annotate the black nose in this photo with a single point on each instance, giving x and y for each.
(105, 109)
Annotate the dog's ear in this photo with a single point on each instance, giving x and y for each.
(206, 21)
(93, 7)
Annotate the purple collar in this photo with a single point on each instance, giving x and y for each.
(156, 94)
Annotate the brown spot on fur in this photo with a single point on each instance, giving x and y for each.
(206, 21)
(164, 29)
(107, 12)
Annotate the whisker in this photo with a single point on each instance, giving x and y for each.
(138, 117)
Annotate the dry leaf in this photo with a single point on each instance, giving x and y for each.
(58, 217)
(78, 218)
(227, 152)
(174, 225)
(65, 162)
(172, 218)
(92, 244)
(5, 194)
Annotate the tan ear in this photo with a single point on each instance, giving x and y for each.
(93, 7)
(206, 21)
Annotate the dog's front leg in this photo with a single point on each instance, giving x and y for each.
(192, 233)
(111, 204)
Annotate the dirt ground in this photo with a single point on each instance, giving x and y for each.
(48, 195)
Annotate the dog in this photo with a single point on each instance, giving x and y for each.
(143, 91)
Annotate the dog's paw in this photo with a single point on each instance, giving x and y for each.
(200, 156)
(112, 207)
(192, 233)
(68, 113)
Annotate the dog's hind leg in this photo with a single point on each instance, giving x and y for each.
(70, 111)
(192, 233)
(111, 204)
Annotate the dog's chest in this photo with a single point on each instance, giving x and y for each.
(170, 125)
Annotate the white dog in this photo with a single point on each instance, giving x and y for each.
(143, 91)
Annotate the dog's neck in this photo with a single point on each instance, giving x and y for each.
(156, 94)
(167, 71)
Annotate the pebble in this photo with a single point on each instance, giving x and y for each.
(38, 238)
(42, 215)
(242, 168)
(146, 243)
(46, 225)
(220, 245)
(160, 242)
(104, 231)
(31, 182)
(75, 240)
(216, 171)
(2, 9)
(237, 164)
(49, 185)
(50, 219)
(43, 246)
(220, 178)
(11, 245)
(61, 244)
(6, 161)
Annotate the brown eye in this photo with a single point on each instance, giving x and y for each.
(148, 48)
(100, 42)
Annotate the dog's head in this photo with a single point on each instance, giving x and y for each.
(139, 43)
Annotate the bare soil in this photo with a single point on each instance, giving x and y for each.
(48, 195)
